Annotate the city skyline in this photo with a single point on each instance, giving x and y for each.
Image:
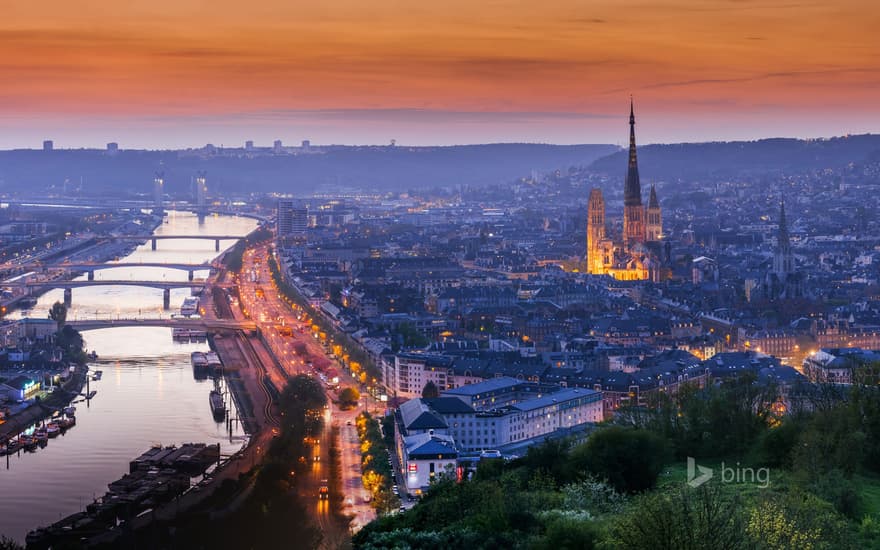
(170, 76)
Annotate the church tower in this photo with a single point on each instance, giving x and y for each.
(654, 217)
(633, 211)
(595, 232)
(783, 261)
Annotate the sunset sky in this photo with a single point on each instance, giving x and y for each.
(173, 73)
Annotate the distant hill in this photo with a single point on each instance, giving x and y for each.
(688, 161)
(380, 168)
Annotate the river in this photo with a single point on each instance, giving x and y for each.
(147, 394)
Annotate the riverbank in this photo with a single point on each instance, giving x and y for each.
(45, 408)
(98, 252)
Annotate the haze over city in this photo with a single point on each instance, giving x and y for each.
(173, 74)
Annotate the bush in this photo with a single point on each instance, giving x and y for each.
(630, 459)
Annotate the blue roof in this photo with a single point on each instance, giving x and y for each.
(560, 396)
(493, 384)
(433, 448)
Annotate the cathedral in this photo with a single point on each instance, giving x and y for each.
(784, 281)
(636, 256)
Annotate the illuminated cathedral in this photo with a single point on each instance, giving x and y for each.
(636, 256)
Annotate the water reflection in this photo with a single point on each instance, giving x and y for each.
(151, 396)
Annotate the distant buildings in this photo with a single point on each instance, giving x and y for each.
(292, 220)
(158, 189)
(112, 148)
(201, 190)
(48, 145)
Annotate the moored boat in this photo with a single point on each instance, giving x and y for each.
(28, 443)
(41, 434)
(218, 408)
(70, 410)
(53, 429)
(65, 423)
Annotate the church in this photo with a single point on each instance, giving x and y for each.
(636, 255)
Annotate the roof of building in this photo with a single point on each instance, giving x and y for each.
(560, 396)
(430, 446)
(415, 415)
(448, 405)
(19, 382)
(493, 384)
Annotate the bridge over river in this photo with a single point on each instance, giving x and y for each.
(174, 322)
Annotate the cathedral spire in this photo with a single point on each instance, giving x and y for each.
(652, 201)
(632, 190)
(783, 240)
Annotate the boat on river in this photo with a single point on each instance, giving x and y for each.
(218, 408)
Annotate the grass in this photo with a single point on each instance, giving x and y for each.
(869, 489)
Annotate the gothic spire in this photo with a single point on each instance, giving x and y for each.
(632, 190)
(783, 240)
(652, 201)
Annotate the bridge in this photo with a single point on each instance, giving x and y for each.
(68, 286)
(91, 267)
(154, 238)
(180, 322)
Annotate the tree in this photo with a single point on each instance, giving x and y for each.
(684, 519)
(630, 459)
(349, 397)
(796, 520)
(430, 391)
(58, 313)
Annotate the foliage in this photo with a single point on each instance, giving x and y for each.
(349, 397)
(430, 391)
(682, 519)
(796, 521)
(58, 313)
(630, 459)
(377, 473)
(72, 345)
(593, 496)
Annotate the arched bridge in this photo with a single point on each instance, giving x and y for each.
(90, 268)
(68, 286)
(155, 238)
(198, 324)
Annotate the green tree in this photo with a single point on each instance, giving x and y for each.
(796, 520)
(58, 313)
(349, 397)
(430, 391)
(683, 519)
(630, 459)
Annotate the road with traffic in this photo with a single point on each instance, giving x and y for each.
(285, 331)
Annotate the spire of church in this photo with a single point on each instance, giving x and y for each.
(632, 190)
(783, 240)
(652, 201)
(783, 259)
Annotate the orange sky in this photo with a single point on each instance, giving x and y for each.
(456, 71)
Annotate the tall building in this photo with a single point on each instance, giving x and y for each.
(249, 145)
(201, 190)
(291, 220)
(277, 147)
(633, 211)
(48, 145)
(637, 254)
(112, 148)
(784, 281)
(598, 254)
(783, 262)
(158, 189)
(654, 227)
